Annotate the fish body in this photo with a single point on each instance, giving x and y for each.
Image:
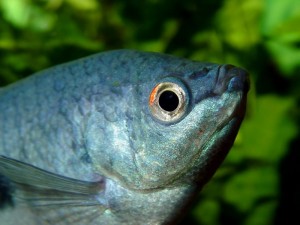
(121, 137)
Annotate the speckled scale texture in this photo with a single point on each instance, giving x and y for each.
(90, 120)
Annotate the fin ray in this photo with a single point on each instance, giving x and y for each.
(54, 198)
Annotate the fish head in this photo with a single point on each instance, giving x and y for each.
(189, 118)
(177, 119)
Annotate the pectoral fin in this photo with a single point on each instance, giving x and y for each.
(54, 198)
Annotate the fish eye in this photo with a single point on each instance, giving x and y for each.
(168, 102)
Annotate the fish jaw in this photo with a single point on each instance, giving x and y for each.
(195, 147)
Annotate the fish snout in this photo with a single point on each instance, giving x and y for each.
(231, 79)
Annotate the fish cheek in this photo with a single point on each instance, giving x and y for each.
(165, 157)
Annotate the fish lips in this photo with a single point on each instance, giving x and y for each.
(231, 79)
(235, 80)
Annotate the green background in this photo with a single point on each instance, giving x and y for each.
(259, 181)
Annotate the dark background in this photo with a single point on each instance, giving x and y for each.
(259, 181)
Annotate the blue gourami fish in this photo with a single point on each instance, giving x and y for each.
(121, 137)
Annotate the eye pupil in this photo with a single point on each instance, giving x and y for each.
(168, 101)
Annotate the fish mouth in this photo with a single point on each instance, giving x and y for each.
(232, 84)
(231, 79)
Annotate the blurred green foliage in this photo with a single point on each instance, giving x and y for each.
(257, 184)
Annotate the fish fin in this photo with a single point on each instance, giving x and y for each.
(5, 192)
(53, 197)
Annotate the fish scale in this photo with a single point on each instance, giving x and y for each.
(90, 142)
